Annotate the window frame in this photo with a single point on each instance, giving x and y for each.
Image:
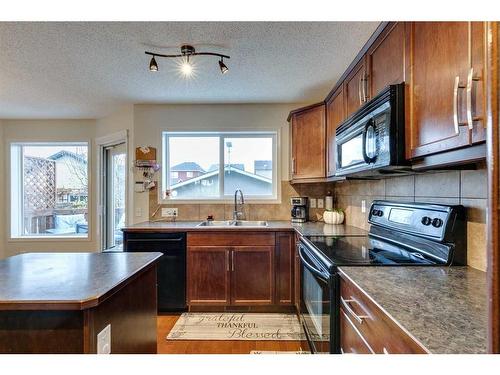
(87, 237)
(164, 177)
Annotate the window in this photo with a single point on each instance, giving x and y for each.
(212, 166)
(49, 189)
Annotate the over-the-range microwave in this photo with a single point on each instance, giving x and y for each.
(371, 143)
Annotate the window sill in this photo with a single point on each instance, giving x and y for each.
(49, 239)
(217, 201)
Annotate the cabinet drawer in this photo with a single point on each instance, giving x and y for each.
(381, 333)
(230, 239)
(351, 340)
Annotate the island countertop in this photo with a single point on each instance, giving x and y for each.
(67, 281)
(304, 229)
(445, 308)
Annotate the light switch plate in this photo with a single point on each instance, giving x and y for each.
(363, 206)
(169, 212)
(312, 202)
(104, 340)
(321, 203)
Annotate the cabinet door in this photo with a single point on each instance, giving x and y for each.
(252, 276)
(386, 59)
(208, 275)
(355, 88)
(285, 258)
(308, 143)
(439, 55)
(335, 114)
(476, 80)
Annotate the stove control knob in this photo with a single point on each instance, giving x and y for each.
(375, 212)
(437, 222)
(380, 213)
(426, 220)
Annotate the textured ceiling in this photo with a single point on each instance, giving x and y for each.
(85, 70)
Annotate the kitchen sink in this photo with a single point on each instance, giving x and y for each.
(231, 223)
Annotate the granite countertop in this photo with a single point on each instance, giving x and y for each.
(445, 308)
(66, 281)
(303, 229)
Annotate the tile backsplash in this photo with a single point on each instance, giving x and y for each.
(466, 187)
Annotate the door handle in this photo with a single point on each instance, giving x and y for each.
(456, 122)
(470, 80)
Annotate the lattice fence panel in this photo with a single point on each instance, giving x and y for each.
(39, 183)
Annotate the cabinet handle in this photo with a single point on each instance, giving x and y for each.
(385, 351)
(455, 104)
(346, 304)
(293, 165)
(227, 260)
(359, 91)
(232, 261)
(365, 88)
(470, 79)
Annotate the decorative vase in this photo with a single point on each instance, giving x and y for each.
(333, 217)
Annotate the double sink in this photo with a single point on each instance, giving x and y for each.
(232, 223)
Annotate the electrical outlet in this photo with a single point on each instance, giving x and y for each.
(169, 212)
(104, 340)
(312, 202)
(320, 203)
(363, 206)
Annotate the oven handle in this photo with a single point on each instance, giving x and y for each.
(368, 159)
(322, 275)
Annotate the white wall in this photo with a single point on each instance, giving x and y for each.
(48, 131)
(151, 120)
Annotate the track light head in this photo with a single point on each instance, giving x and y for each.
(153, 66)
(223, 68)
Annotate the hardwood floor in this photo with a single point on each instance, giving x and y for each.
(166, 322)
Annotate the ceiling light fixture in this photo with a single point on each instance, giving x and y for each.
(153, 66)
(187, 67)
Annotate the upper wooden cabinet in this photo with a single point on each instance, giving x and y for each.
(335, 114)
(308, 142)
(386, 59)
(445, 106)
(355, 88)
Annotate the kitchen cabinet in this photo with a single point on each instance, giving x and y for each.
(335, 114)
(285, 258)
(386, 59)
(231, 269)
(308, 142)
(365, 328)
(208, 275)
(445, 109)
(252, 275)
(355, 88)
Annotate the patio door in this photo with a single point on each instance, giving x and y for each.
(114, 196)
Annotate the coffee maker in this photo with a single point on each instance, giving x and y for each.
(299, 211)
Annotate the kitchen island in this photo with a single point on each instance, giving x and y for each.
(60, 302)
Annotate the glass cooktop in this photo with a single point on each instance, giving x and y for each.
(367, 251)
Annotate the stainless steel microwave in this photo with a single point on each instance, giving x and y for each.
(371, 142)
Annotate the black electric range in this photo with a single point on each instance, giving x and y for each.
(401, 234)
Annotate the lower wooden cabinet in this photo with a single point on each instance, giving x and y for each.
(208, 275)
(229, 269)
(365, 328)
(252, 275)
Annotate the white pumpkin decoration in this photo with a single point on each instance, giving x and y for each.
(335, 216)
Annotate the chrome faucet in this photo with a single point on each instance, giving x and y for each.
(237, 213)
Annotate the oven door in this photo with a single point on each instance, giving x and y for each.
(315, 304)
